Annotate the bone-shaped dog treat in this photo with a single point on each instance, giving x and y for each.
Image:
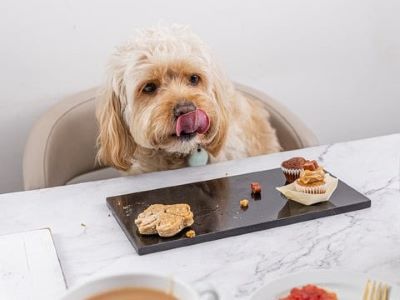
(166, 220)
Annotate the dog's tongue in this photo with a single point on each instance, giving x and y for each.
(194, 121)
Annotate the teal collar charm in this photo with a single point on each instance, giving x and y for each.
(198, 157)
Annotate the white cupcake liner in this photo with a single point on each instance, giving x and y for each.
(318, 189)
(292, 172)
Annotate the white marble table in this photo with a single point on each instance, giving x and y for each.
(89, 241)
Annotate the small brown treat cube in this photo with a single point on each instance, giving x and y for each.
(310, 165)
(244, 203)
(190, 234)
(255, 187)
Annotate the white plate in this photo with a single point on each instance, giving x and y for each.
(347, 286)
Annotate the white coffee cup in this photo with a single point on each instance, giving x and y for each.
(169, 285)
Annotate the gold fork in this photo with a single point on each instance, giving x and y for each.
(376, 291)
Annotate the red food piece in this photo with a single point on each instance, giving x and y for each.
(310, 292)
(255, 187)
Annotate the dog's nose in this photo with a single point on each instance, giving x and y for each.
(183, 108)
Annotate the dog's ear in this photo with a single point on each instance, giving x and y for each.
(115, 143)
(221, 89)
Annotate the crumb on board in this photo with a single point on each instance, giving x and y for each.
(244, 203)
(190, 234)
(83, 225)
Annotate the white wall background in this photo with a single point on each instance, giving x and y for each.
(336, 63)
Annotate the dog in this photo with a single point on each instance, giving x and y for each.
(166, 104)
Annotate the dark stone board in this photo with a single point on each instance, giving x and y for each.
(217, 213)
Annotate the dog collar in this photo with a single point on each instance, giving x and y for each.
(198, 157)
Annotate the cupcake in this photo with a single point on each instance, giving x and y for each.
(291, 168)
(311, 181)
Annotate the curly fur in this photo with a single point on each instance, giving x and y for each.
(136, 130)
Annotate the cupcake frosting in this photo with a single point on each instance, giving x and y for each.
(309, 177)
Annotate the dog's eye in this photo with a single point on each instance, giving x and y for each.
(194, 79)
(149, 88)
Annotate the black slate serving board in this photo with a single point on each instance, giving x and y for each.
(217, 213)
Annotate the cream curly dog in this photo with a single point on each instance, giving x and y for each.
(165, 99)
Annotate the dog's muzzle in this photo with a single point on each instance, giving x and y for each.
(190, 120)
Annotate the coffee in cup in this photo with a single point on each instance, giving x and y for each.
(133, 294)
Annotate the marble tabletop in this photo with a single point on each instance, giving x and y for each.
(89, 242)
